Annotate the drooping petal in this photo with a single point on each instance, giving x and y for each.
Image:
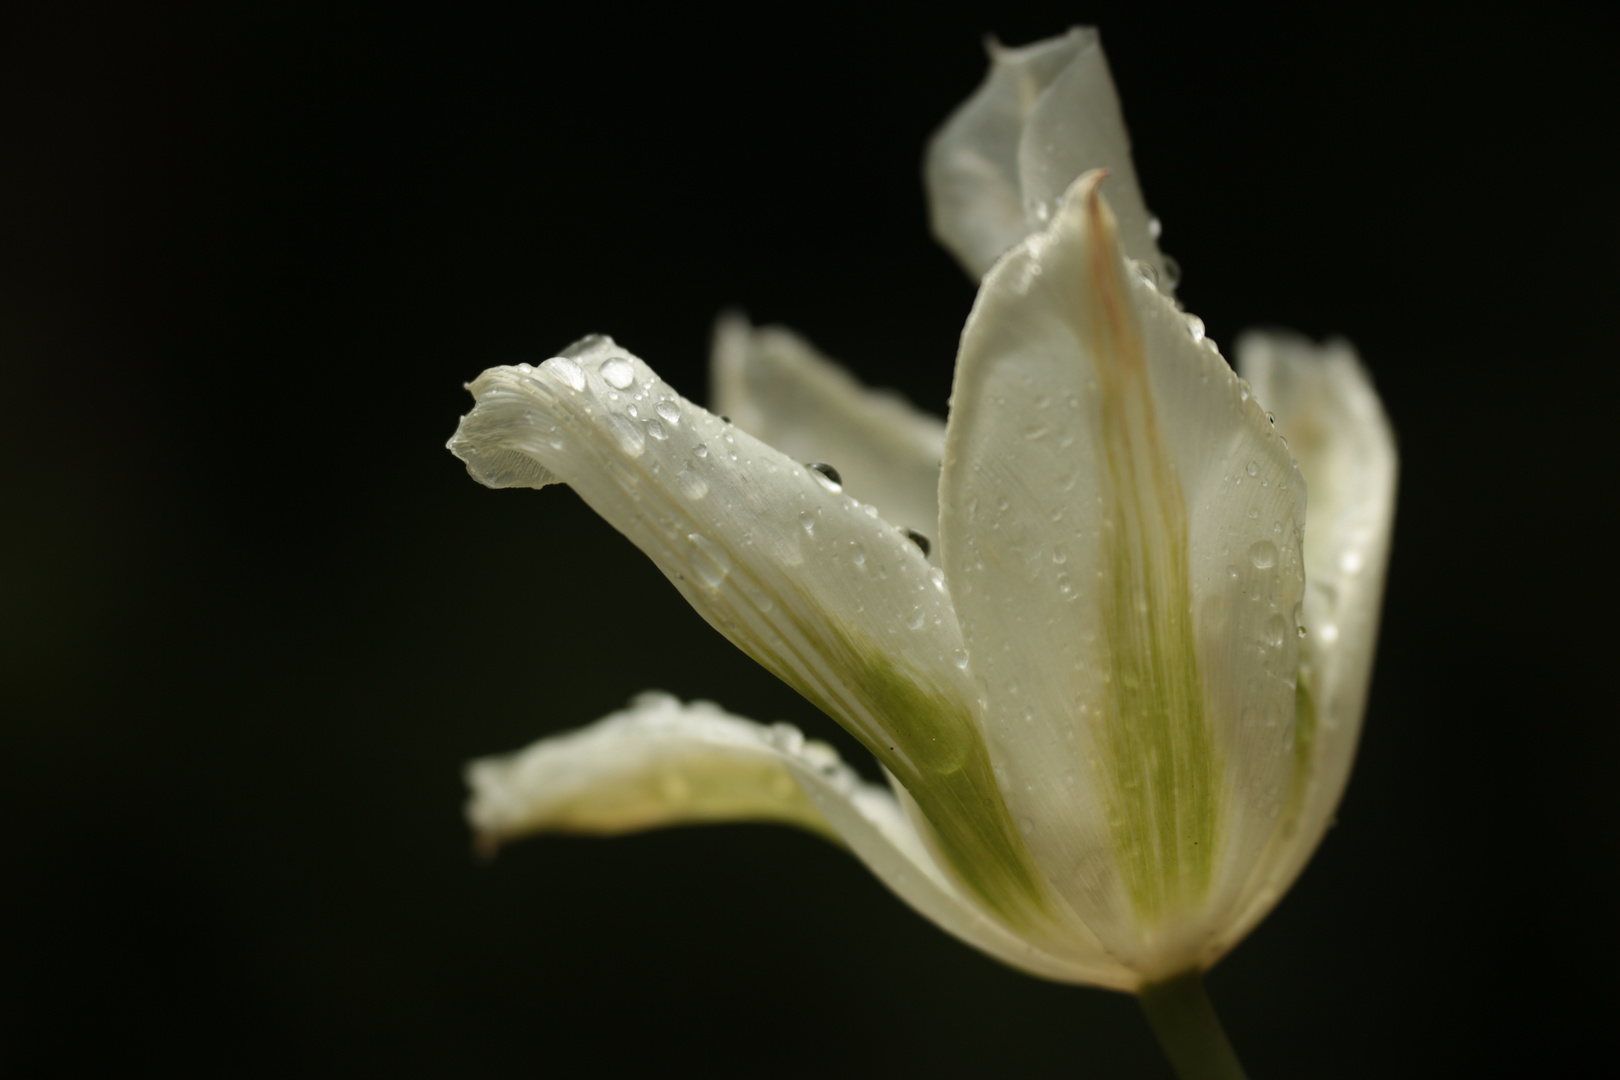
(818, 588)
(1046, 113)
(1121, 535)
(776, 387)
(1326, 407)
(661, 763)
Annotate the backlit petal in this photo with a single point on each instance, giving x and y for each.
(1046, 113)
(1121, 534)
(1326, 407)
(661, 763)
(817, 587)
(775, 386)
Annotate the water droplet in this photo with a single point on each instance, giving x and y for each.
(618, 372)
(625, 432)
(668, 411)
(918, 617)
(1195, 328)
(1001, 505)
(857, 554)
(657, 430)
(1065, 586)
(690, 482)
(1172, 273)
(566, 370)
(826, 474)
(1253, 468)
(1276, 630)
(1036, 431)
(1155, 227)
(1026, 825)
(959, 657)
(1263, 554)
(787, 737)
(1146, 272)
(1300, 630)
(807, 521)
(700, 450)
(1060, 554)
(1244, 390)
(920, 540)
(937, 576)
(710, 560)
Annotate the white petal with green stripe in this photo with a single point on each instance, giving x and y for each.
(1121, 528)
(777, 387)
(998, 167)
(661, 763)
(813, 584)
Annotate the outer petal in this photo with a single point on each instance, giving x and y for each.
(1325, 405)
(663, 763)
(776, 387)
(816, 587)
(1121, 535)
(1045, 114)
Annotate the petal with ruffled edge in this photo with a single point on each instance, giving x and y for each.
(1325, 405)
(778, 388)
(1121, 533)
(1044, 114)
(818, 588)
(661, 763)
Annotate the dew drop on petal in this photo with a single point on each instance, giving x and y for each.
(920, 540)
(668, 411)
(1263, 553)
(627, 433)
(1172, 273)
(1276, 630)
(826, 474)
(691, 482)
(700, 450)
(618, 372)
(566, 370)
(1195, 327)
(1253, 468)
(959, 657)
(807, 521)
(657, 430)
(709, 560)
(787, 737)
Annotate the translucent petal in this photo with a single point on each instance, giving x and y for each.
(776, 387)
(1121, 533)
(1044, 114)
(817, 587)
(1325, 405)
(662, 763)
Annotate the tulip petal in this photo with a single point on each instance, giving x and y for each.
(1325, 405)
(816, 587)
(998, 167)
(776, 387)
(1120, 529)
(661, 763)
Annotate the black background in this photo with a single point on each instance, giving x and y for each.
(255, 617)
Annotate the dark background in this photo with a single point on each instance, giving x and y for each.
(255, 617)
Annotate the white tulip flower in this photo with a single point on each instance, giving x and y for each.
(1117, 704)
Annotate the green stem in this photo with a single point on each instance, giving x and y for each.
(1188, 1029)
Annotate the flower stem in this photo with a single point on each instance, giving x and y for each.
(1188, 1029)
